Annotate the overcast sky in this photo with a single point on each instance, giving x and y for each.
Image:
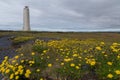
(62, 15)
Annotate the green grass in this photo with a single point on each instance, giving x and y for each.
(74, 50)
(21, 39)
(104, 36)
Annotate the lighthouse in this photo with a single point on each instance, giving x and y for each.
(26, 19)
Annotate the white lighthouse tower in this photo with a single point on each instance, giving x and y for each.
(26, 19)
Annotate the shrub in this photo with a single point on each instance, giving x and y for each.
(65, 60)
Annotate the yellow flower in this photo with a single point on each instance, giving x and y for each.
(109, 63)
(13, 61)
(33, 53)
(11, 76)
(6, 57)
(98, 48)
(31, 62)
(110, 76)
(22, 61)
(105, 55)
(7, 71)
(16, 64)
(79, 57)
(72, 64)
(16, 73)
(77, 67)
(16, 77)
(62, 64)
(41, 79)
(92, 63)
(79, 64)
(75, 55)
(21, 71)
(48, 57)
(20, 67)
(28, 71)
(115, 50)
(27, 74)
(102, 43)
(57, 59)
(38, 70)
(117, 71)
(44, 51)
(115, 44)
(118, 56)
(67, 60)
(21, 54)
(16, 57)
(49, 65)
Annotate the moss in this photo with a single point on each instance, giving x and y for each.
(21, 39)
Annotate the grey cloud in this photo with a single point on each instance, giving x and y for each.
(65, 14)
(99, 12)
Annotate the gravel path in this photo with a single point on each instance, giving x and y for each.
(6, 49)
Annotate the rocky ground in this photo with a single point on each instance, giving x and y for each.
(6, 49)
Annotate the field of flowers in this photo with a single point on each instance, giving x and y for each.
(66, 59)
